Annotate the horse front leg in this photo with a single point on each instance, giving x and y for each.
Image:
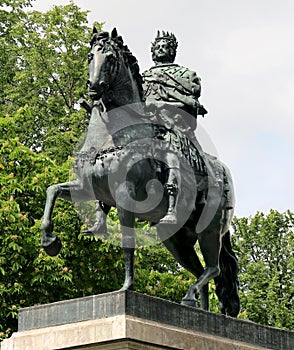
(127, 223)
(51, 243)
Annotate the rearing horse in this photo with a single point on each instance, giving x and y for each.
(119, 160)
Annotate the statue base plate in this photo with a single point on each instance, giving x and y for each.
(129, 320)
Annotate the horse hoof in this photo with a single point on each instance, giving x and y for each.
(127, 286)
(53, 248)
(189, 302)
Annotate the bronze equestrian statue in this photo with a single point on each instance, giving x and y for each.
(132, 142)
(165, 84)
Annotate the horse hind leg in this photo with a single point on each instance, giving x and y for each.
(210, 247)
(200, 288)
(181, 246)
(99, 227)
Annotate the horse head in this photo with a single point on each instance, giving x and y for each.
(113, 70)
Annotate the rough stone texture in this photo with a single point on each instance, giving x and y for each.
(117, 333)
(129, 320)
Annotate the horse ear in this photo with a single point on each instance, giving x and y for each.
(113, 33)
(120, 39)
(95, 30)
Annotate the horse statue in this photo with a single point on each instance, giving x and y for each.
(118, 165)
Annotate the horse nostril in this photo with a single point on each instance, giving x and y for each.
(88, 83)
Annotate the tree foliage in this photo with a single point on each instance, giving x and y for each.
(11, 13)
(28, 276)
(44, 59)
(264, 245)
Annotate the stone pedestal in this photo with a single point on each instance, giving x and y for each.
(129, 320)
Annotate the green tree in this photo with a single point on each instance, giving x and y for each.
(28, 276)
(264, 245)
(44, 60)
(11, 13)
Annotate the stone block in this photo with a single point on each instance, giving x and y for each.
(129, 320)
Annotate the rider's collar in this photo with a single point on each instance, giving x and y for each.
(164, 65)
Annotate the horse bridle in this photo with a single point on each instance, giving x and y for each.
(111, 60)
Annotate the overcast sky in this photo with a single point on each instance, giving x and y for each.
(244, 52)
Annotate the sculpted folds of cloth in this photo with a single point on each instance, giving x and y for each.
(172, 84)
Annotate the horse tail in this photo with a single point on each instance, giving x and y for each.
(227, 282)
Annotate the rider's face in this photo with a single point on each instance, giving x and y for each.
(162, 51)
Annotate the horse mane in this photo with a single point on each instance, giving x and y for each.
(117, 43)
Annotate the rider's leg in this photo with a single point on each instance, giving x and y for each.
(172, 187)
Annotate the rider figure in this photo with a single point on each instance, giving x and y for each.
(168, 84)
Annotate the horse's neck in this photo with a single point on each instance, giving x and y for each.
(98, 133)
(104, 125)
(125, 90)
(123, 109)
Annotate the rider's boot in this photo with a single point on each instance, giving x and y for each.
(171, 215)
(99, 228)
